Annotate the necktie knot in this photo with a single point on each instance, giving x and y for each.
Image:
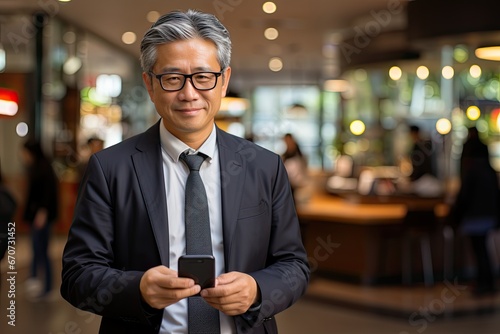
(193, 161)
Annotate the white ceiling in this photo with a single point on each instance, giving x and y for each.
(303, 26)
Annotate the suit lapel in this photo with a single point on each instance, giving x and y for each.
(149, 170)
(232, 168)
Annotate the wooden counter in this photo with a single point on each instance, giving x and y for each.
(330, 208)
(358, 239)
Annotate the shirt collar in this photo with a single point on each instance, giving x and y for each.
(174, 146)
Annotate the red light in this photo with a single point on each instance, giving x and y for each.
(495, 113)
(9, 102)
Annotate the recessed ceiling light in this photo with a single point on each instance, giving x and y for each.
(271, 33)
(129, 37)
(275, 64)
(152, 16)
(269, 7)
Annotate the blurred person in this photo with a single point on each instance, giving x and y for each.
(7, 209)
(422, 180)
(420, 155)
(128, 231)
(94, 145)
(40, 213)
(476, 207)
(295, 162)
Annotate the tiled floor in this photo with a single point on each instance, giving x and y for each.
(328, 307)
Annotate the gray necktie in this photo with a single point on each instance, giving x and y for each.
(202, 318)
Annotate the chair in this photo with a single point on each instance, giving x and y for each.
(418, 225)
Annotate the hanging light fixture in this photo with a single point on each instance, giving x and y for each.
(488, 53)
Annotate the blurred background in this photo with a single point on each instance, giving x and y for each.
(347, 79)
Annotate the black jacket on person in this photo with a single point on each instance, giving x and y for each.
(120, 230)
(42, 192)
(479, 196)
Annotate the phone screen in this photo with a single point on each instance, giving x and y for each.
(201, 268)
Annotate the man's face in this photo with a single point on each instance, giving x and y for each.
(188, 113)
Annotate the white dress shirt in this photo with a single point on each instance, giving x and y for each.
(175, 175)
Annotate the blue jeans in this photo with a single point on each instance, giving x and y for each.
(40, 243)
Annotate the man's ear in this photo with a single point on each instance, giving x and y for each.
(225, 84)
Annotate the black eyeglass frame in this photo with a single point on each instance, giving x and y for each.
(186, 76)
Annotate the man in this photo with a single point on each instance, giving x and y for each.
(421, 155)
(94, 145)
(128, 233)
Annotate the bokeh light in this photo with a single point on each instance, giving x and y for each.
(473, 113)
(152, 16)
(395, 73)
(422, 72)
(129, 37)
(443, 126)
(275, 64)
(475, 71)
(448, 72)
(269, 7)
(271, 34)
(357, 127)
(22, 129)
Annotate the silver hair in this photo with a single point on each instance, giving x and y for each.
(178, 25)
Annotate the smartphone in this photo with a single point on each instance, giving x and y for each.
(201, 268)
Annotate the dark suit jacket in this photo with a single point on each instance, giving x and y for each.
(120, 230)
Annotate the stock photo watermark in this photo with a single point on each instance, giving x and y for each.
(11, 274)
(427, 314)
(221, 7)
(364, 34)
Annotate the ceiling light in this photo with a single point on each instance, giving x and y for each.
(153, 16)
(395, 73)
(422, 72)
(129, 37)
(271, 33)
(269, 7)
(448, 72)
(275, 64)
(475, 71)
(488, 53)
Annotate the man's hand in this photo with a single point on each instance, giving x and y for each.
(233, 293)
(161, 287)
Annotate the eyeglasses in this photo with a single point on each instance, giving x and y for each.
(172, 82)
